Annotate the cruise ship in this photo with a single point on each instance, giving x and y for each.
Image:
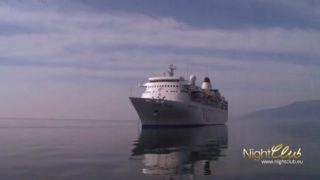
(176, 101)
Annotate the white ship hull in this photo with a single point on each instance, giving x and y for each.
(153, 112)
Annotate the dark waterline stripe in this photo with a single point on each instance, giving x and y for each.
(178, 125)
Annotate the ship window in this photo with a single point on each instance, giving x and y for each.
(165, 80)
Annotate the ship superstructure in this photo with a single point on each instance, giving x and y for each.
(171, 100)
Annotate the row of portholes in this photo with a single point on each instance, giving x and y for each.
(157, 86)
(173, 91)
(154, 92)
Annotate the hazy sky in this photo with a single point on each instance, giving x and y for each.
(78, 59)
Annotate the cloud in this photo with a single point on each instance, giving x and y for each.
(210, 13)
(100, 35)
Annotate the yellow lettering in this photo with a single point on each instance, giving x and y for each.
(298, 154)
(245, 153)
(284, 151)
(277, 152)
(275, 149)
(257, 155)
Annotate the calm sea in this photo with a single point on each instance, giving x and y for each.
(91, 149)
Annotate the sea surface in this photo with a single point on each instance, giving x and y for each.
(48, 149)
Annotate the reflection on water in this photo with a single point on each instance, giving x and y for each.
(85, 150)
(177, 151)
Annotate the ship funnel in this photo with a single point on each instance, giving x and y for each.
(206, 84)
(193, 79)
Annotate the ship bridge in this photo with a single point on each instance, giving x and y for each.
(166, 88)
(165, 79)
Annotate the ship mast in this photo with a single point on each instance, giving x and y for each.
(171, 70)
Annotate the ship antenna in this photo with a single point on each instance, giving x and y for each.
(171, 70)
